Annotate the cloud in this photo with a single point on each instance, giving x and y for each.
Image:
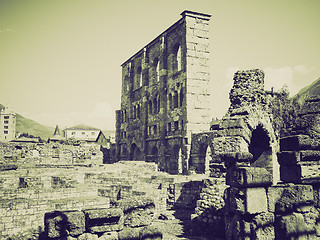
(4, 30)
(278, 77)
(295, 77)
(302, 69)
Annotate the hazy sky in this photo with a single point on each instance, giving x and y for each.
(60, 59)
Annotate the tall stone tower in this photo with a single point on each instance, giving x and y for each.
(165, 95)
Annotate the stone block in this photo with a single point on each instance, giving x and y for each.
(236, 158)
(241, 132)
(293, 197)
(294, 226)
(316, 195)
(248, 177)
(55, 224)
(104, 220)
(109, 236)
(75, 222)
(237, 228)
(310, 173)
(88, 236)
(129, 233)
(229, 144)
(262, 226)
(299, 142)
(138, 211)
(247, 200)
(232, 122)
(310, 155)
(150, 232)
(274, 194)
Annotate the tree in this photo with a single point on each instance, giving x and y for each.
(285, 111)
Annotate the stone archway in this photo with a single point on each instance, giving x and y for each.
(204, 157)
(124, 153)
(260, 149)
(154, 154)
(135, 153)
(178, 158)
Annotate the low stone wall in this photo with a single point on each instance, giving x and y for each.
(51, 153)
(210, 209)
(18, 215)
(130, 220)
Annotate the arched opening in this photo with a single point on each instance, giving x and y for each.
(175, 99)
(170, 101)
(178, 158)
(154, 154)
(135, 153)
(158, 104)
(150, 107)
(138, 111)
(204, 158)
(139, 72)
(124, 153)
(181, 97)
(155, 107)
(177, 57)
(157, 68)
(260, 148)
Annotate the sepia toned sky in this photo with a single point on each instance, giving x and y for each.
(60, 60)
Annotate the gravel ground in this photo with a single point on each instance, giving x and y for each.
(178, 226)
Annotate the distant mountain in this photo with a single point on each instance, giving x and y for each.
(311, 90)
(25, 125)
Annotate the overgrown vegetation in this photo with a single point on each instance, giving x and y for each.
(285, 111)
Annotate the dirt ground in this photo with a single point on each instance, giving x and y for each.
(178, 225)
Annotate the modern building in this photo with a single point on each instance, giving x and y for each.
(85, 134)
(7, 125)
(165, 95)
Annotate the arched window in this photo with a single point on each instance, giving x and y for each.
(170, 101)
(177, 64)
(150, 106)
(175, 99)
(178, 58)
(158, 104)
(158, 71)
(138, 111)
(155, 107)
(139, 72)
(181, 97)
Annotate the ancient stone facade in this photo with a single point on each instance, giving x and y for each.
(165, 95)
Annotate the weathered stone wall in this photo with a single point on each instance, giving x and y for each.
(210, 208)
(51, 153)
(165, 95)
(246, 142)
